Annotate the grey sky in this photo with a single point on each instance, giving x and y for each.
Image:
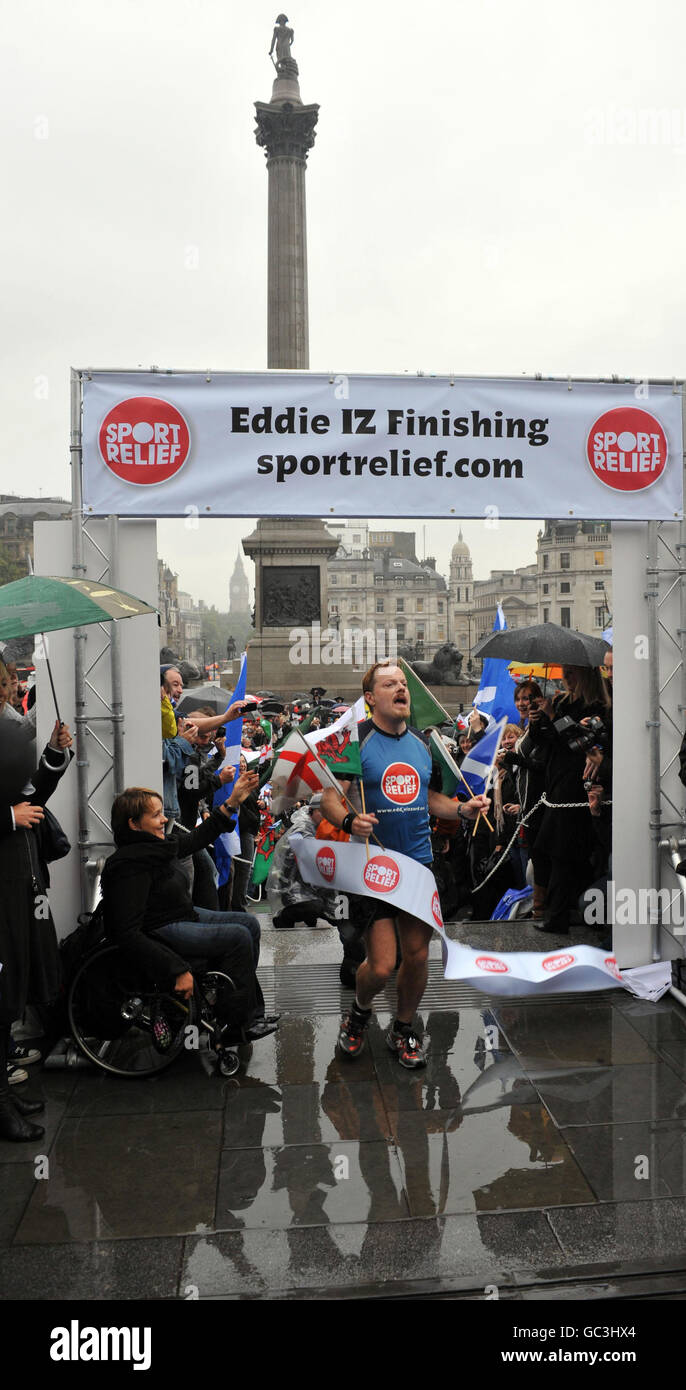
(495, 188)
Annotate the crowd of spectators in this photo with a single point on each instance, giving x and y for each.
(553, 767)
(162, 889)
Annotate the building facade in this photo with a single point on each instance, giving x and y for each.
(376, 582)
(17, 517)
(574, 574)
(168, 606)
(190, 629)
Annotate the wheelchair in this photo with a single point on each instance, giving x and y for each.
(115, 1017)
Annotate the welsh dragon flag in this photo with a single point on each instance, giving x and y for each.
(264, 853)
(339, 745)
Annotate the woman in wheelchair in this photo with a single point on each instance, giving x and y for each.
(149, 915)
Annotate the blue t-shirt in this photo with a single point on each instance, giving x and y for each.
(396, 771)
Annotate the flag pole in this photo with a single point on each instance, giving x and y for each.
(456, 768)
(364, 812)
(346, 799)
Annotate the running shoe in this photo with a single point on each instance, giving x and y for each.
(22, 1056)
(351, 1037)
(15, 1075)
(407, 1047)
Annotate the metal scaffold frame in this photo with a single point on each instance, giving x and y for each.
(89, 726)
(666, 598)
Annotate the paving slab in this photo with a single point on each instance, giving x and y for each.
(125, 1176)
(120, 1269)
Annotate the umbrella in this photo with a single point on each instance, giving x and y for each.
(209, 694)
(48, 603)
(544, 642)
(535, 670)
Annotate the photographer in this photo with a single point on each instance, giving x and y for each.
(598, 785)
(562, 853)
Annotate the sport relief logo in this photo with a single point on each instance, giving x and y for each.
(627, 449)
(326, 863)
(612, 966)
(492, 964)
(144, 440)
(436, 910)
(381, 874)
(400, 784)
(560, 962)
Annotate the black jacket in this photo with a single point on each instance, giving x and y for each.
(28, 942)
(143, 889)
(567, 834)
(198, 785)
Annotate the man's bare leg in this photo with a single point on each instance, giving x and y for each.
(414, 970)
(377, 969)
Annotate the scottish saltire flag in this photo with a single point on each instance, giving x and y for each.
(477, 766)
(228, 846)
(496, 691)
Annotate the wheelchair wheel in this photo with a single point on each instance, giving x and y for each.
(212, 991)
(111, 1016)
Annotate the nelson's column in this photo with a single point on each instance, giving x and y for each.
(290, 554)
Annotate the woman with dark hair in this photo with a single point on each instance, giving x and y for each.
(562, 853)
(149, 914)
(525, 694)
(28, 941)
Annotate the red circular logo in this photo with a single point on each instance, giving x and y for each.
(627, 449)
(144, 440)
(557, 962)
(436, 910)
(611, 965)
(325, 860)
(381, 874)
(400, 784)
(492, 965)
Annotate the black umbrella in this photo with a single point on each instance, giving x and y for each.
(209, 694)
(544, 642)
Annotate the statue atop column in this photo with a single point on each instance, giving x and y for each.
(282, 38)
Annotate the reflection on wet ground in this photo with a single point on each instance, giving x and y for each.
(538, 1137)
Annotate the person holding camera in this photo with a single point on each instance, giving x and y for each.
(562, 853)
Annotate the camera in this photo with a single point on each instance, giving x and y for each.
(509, 759)
(580, 737)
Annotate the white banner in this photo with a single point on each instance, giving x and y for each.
(395, 879)
(161, 444)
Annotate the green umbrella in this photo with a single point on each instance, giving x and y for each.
(46, 603)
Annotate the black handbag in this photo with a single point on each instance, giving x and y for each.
(53, 841)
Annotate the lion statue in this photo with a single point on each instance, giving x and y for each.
(445, 669)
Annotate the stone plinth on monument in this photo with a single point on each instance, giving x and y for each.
(291, 591)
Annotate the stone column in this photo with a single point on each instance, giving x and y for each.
(286, 131)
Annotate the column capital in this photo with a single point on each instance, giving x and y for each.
(285, 130)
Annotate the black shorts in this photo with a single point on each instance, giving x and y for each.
(363, 912)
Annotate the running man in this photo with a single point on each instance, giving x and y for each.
(396, 773)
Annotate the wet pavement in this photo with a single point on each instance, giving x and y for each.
(542, 1144)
